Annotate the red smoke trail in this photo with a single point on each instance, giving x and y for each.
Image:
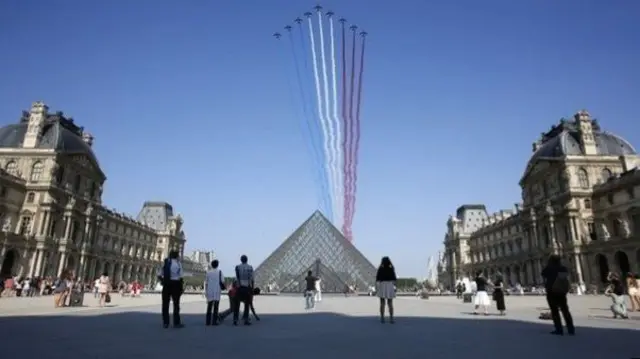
(356, 133)
(346, 149)
(348, 207)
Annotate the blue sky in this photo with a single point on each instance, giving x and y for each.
(188, 103)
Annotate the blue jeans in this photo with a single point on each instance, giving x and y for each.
(310, 299)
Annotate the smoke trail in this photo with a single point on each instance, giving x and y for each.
(345, 134)
(323, 120)
(327, 113)
(336, 120)
(351, 128)
(308, 130)
(357, 130)
(314, 123)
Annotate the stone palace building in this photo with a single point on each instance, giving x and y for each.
(51, 210)
(580, 199)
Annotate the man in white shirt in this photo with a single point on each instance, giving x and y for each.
(170, 275)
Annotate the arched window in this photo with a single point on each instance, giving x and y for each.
(606, 174)
(76, 183)
(561, 179)
(583, 178)
(616, 227)
(36, 171)
(59, 175)
(12, 168)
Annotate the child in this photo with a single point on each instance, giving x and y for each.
(232, 298)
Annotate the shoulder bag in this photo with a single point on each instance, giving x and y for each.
(222, 285)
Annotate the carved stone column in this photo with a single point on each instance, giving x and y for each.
(62, 262)
(40, 263)
(80, 270)
(48, 224)
(67, 228)
(578, 259)
(534, 241)
(574, 230)
(538, 270)
(43, 223)
(32, 263)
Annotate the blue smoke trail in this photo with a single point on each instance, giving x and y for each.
(306, 126)
(313, 122)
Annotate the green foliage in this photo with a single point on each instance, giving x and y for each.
(406, 283)
(194, 281)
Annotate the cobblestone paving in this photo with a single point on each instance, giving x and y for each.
(338, 328)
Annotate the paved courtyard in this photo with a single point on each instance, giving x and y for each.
(339, 328)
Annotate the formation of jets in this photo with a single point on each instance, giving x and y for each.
(318, 9)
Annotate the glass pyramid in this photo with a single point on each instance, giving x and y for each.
(319, 247)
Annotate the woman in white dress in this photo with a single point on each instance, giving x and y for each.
(318, 290)
(481, 297)
(104, 286)
(213, 287)
(386, 287)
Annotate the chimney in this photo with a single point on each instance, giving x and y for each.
(87, 138)
(585, 126)
(37, 117)
(628, 162)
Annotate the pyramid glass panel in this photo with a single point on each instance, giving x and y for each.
(317, 246)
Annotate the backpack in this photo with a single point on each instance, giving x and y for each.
(561, 285)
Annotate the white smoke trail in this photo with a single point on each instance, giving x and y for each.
(336, 123)
(326, 132)
(332, 140)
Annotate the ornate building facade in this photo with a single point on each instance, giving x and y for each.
(578, 201)
(52, 213)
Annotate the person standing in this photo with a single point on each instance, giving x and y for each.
(318, 284)
(386, 287)
(244, 276)
(309, 291)
(557, 285)
(481, 298)
(104, 286)
(170, 275)
(498, 294)
(633, 291)
(213, 287)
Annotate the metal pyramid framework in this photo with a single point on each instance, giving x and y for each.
(315, 246)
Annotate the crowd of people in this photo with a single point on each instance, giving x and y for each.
(243, 290)
(482, 290)
(67, 290)
(557, 286)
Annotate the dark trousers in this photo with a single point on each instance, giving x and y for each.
(557, 304)
(214, 306)
(171, 291)
(243, 295)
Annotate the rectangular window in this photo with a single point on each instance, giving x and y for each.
(25, 226)
(592, 231)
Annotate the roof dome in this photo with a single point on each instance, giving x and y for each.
(564, 140)
(59, 133)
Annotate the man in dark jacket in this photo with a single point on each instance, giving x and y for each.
(556, 282)
(172, 287)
